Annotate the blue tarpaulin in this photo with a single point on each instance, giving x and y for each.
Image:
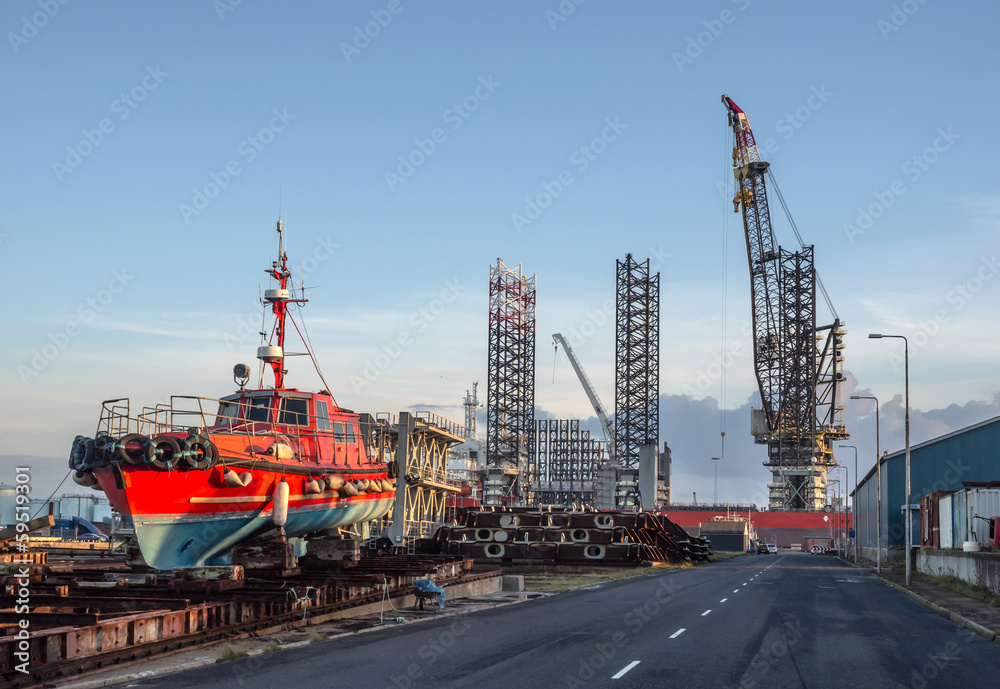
(428, 586)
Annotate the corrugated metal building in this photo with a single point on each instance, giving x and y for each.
(968, 454)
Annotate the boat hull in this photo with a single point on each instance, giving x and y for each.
(191, 519)
(169, 541)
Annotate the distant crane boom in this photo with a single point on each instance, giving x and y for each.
(588, 387)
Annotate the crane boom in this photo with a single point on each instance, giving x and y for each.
(588, 387)
(763, 255)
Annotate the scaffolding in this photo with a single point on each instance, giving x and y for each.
(566, 462)
(510, 407)
(417, 446)
(637, 361)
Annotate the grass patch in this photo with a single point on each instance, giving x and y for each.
(272, 647)
(558, 583)
(318, 638)
(229, 653)
(962, 588)
(724, 555)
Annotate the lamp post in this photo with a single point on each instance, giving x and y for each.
(909, 526)
(854, 502)
(844, 493)
(715, 464)
(834, 526)
(878, 471)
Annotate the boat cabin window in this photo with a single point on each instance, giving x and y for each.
(259, 409)
(256, 409)
(294, 411)
(350, 432)
(322, 416)
(338, 432)
(229, 412)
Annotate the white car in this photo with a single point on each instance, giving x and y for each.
(772, 548)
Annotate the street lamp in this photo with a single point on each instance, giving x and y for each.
(878, 470)
(715, 464)
(835, 484)
(909, 526)
(844, 493)
(854, 502)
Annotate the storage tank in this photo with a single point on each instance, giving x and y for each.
(102, 511)
(8, 503)
(75, 506)
(39, 507)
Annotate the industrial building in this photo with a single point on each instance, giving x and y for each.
(968, 455)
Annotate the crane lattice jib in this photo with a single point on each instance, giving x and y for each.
(588, 387)
(763, 255)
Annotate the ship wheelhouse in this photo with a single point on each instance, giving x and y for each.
(317, 429)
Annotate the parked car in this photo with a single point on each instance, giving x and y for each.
(92, 537)
(762, 548)
(772, 548)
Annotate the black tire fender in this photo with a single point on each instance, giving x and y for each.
(204, 453)
(133, 455)
(166, 452)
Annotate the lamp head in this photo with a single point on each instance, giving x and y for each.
(855, 397)
(874, 336)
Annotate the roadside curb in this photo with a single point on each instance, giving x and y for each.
(984, 632)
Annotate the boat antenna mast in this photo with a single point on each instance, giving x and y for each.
(273, 353)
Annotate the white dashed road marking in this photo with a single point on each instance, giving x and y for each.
(625, 669)
(706, 612)
(723, 600)
(677, 633)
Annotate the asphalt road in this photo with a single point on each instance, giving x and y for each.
(786, 620)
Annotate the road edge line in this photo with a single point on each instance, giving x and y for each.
(951, 615)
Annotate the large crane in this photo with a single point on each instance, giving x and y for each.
(797, 363)
(588, 387)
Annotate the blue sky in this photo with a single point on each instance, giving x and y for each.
(120, 118)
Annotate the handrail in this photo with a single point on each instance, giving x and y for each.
(441, 422)
(177, 417)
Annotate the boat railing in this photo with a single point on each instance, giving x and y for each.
(184, 412)
(115, 417)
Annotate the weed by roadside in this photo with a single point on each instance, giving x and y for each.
(963, 588)
(229, 653)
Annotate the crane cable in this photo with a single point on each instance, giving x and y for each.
(802, 244)
(725, 294)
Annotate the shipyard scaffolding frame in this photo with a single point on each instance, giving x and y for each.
(808, 416)
(510, 406)
(416, 445)
(637, 370)
(566, 462)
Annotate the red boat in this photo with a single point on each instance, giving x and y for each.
(201, 476)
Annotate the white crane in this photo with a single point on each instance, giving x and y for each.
(588, 387)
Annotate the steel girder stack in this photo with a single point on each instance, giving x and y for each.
(637, 361)
(560, 537)
(796, 362)
(510, 407)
